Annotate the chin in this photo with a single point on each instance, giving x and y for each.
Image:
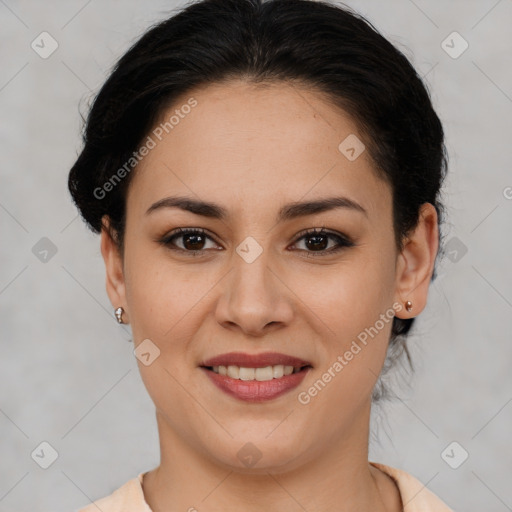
(257, 454)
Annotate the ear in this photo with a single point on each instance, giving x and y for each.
(415, 264)
(115, 282)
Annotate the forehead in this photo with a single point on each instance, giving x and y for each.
(259, 145)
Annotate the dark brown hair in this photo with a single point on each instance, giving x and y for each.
(328, 47)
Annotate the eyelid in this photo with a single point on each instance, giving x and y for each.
(183, 231)
(344, 241)
(321, 231)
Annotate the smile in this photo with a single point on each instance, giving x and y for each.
(259, 374)
(255, 377)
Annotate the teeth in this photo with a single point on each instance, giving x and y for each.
(288, 370)
(234, 372)
(266, 373)
(278, 371)
(260, 374)
(246, 374)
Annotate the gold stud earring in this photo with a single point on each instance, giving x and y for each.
(119, 315)
(408, 305)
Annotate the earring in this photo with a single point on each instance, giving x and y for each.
(408, 305)
(119, 315)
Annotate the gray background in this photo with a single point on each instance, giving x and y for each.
(68, 375)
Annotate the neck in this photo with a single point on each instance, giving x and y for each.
(340, 478)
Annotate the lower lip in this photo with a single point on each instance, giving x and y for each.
(255, 390)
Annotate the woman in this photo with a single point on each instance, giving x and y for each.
(265, 176)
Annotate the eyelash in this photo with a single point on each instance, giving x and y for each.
(342, 241)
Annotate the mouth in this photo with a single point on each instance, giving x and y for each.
(255, 378)
(260, 374)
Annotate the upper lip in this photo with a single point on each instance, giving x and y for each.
(255, 360)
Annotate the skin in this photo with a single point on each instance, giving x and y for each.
(251, 150)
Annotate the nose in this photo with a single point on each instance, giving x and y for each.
(254, 298)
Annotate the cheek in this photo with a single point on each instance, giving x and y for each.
(347, 297)
(161, 302)
(355, 295)
(357, 311)
(159, 294)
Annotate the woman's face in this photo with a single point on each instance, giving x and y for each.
(255, 283)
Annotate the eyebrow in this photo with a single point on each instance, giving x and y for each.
(287, 212)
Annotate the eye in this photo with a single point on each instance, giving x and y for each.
(193, 240)
(317, 241)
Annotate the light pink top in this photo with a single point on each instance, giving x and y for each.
(415, 496)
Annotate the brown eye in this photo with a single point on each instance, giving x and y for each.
(192, 240)
(317, 241)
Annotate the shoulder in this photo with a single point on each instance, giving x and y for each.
(416, 497)
(127, 498)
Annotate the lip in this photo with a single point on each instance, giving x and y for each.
(253, 390)
(255, 360)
